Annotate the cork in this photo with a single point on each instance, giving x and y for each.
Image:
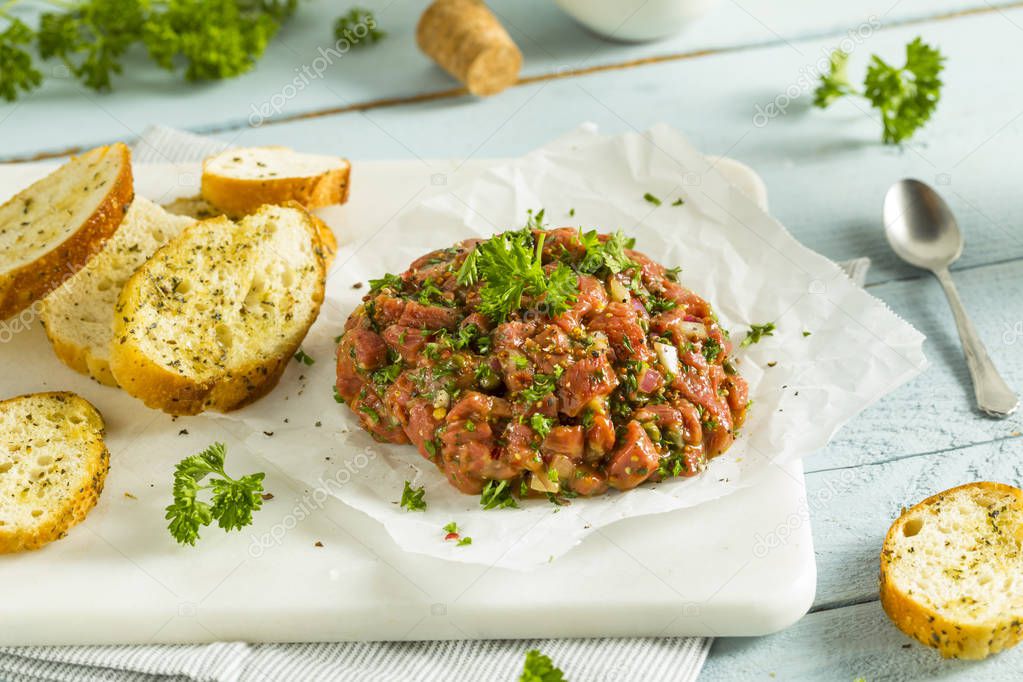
(467, 41)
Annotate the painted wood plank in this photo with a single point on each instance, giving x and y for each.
(295, 78)
(851, 509)
(843, 645)
(935, 411)
(848, 635)
(826, 171)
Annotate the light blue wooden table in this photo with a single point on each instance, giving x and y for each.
(826, 173)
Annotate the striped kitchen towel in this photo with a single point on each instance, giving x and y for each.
(581, 660)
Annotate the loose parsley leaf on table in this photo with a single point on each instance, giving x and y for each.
(412, 498)
(757, 332)
(232, 503)
(304, 358)
(540, 668)
(650, 198)
(905, 96)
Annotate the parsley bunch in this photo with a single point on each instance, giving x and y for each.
(906, 97)
(232, 504)
(208, 39)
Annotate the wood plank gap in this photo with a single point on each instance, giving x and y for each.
(954, 269)
(899, 458)
(451, 93)
(843, 603)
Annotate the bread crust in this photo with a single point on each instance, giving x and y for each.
(237, 197)
(79, 506)
(23, 286)
(80, 358)
(927, 625)
(162, 389)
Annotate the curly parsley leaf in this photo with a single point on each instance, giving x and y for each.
(232, 503)
(214, 39)
(834, 84)
(609, 253)
(497, 495)
(412, 498)
(757, 332)
(510, 266)
(906, 96)
(540, 668)
(359, 27)
(16, 69)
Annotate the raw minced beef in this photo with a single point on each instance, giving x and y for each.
(566, 364)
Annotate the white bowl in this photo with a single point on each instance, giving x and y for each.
(635, 20)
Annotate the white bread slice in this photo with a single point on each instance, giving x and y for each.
(53, 227)
(53, 464)
(213, 318)
(200, 209)
(952, 570)
(79, 314)
(239, 181)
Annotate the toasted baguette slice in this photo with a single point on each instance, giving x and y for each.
(79, 314)
(239, 181)
(200, 209)
(53, 463)
(213, 318)
(952, 570)
(51, 229)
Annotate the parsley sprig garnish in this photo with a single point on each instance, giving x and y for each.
(208, 39)
(510, 266)
(232, 503)
(906, 97)
(540, 668)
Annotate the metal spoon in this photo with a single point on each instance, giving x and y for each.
(923, 232)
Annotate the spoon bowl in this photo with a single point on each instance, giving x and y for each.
(920, 226)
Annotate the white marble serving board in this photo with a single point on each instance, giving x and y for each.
(742, 565)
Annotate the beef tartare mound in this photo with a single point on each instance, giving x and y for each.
(543, 362)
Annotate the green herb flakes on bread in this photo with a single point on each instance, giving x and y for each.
(51, 229)
(211, 321)
(79, 314)
(952, 570)
(53, 463)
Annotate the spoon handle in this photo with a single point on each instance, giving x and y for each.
(994, 397)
